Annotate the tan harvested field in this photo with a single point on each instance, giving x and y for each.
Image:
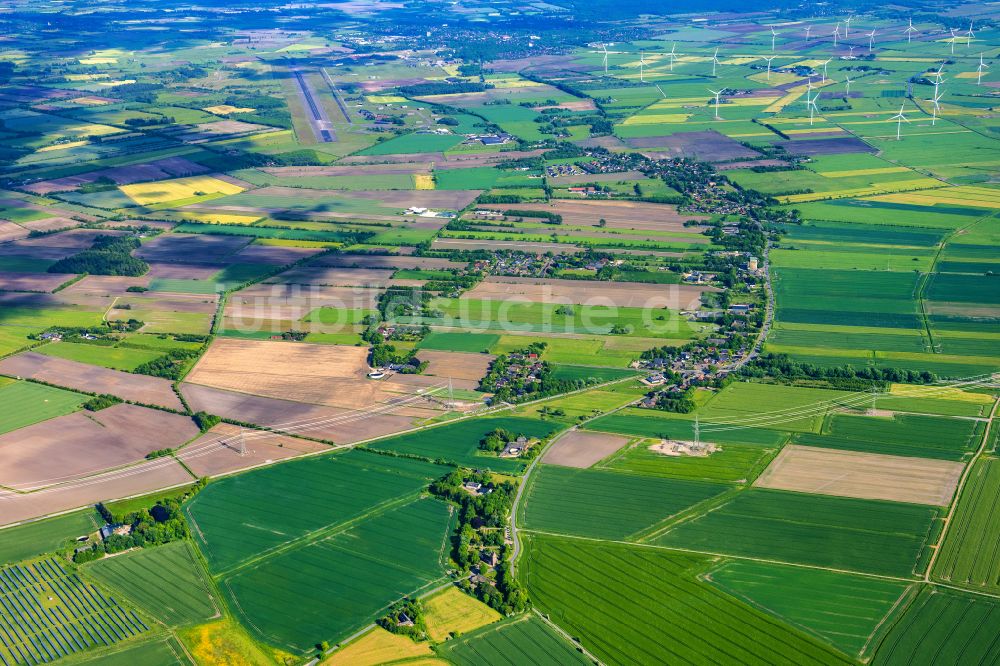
(865, 475)
(10, 231)
(55, 246)
(587, 292)
(333, 375)
(146, 477)
(170, 302)
(182, 271)
(457, 365)
(582, 449)
(170, 167)
(470, 244)
(358, 170)
(440, 160)
(51, 224)
(42, 282)
(191, 248)
(618, 214)
(292, 302)
(316, 421)
(105, 285)
(333, 277)
(434, 199)
(93, 379)
(272, 254)
(386, 261)
(84, 443)
(218, 450)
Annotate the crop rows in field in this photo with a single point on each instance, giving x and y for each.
(903, 435)
(842, 609)
(25, 541)
(24, 403)
(639, 605)
(867, 536)
(732, 463)
(522, 640)
(325, 589)
(944, 627)
(971, 553)
(646, 423)
(48, 613)
(608, 505)
(241, 516)
(167, 582)
(459, 442)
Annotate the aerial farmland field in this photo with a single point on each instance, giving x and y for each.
(497, 332)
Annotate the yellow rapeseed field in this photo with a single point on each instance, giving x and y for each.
(423, 181)
(455, 611)
(179, 188)
(378, 646)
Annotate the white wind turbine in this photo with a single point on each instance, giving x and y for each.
(847, 85)
(909, 31)
(900, 119)
(716, 93)
(971, 35)
(952, 31)
(773, 37)
(811, 105)
(937, 107)
(847, 25)
(605, 47)
(769, 66)
(871, 40)
(938, 78)
(824, 69)
(715, 60)
(979, 70)
(836, 34)
(673, 55)
(642, 64)
(851, 55)
(809, 30)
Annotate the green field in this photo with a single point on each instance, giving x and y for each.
(167, 582)
(667, 425)
(525, 639)
(328, 586)
(459, 442)
(631, 605)
(161, 651)
(843, 609)
(867, 536)
(24, 403)
(116, 358)
(733, 463)
(944, 627)
(902, 435)
(606, 505)
(24, 541)
(970, 556)
(289, 501)
(459, 342)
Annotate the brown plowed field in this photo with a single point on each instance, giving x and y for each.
(808, 469)
(90, 378)
(140, 479)
(85, 443)
(585, 292)
(582, 449)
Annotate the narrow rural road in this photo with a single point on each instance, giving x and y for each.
(768, 316)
